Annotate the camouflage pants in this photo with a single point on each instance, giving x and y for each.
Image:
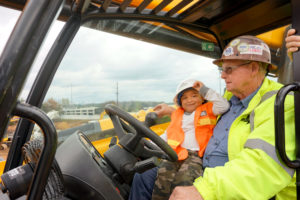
(172, 174)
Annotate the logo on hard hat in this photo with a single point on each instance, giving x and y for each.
(254, 49)
(228, 51)
(235, 42)
(243, 47)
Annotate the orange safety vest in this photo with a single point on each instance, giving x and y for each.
(204, 123)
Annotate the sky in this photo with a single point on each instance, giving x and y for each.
(8, 18)
(97, 62)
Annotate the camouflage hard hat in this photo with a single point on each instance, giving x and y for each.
(247, 48)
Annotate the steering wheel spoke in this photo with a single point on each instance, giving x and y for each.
(118, 125)
(127, 127)
(151, 149)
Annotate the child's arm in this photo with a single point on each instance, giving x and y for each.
(220, 104)
(163, 109)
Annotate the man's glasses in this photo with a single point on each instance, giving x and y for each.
(229, 69)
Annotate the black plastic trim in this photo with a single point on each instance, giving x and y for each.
(42, 169)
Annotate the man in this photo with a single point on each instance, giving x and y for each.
(253, 170)
(244, 136)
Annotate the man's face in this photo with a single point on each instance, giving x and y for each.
(190, 100)
(237, 75)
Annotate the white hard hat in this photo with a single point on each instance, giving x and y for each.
(188, 83)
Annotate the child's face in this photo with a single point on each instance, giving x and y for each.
(190, 100)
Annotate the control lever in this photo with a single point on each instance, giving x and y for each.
(144, 165)
(113, 141)
(150, 119)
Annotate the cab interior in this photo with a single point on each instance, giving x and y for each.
(93, 159)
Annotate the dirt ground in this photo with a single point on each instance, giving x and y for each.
(62, 125)
(3, 153)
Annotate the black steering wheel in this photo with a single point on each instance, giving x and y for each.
(134, 137)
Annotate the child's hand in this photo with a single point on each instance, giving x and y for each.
(163, 109)
(292, 42)
(197, 85)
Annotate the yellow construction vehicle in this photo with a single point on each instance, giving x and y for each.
(106, 124)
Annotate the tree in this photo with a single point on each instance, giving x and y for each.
(65, 102)
(51, 104)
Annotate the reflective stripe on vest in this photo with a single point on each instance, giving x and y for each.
(207, 121)
(268, 149)
(263, 145)
(263, 98)
(266, 96)
(173, 143)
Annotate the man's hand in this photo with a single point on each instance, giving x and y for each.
(163, 109)
(185, 193)
(292, 42)
(197, 85)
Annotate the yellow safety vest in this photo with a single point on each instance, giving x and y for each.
(254, 171)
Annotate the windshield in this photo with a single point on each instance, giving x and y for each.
(101, 68)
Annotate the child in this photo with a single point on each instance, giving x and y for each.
(190, 129)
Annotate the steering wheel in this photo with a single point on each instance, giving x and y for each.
(133, 139)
